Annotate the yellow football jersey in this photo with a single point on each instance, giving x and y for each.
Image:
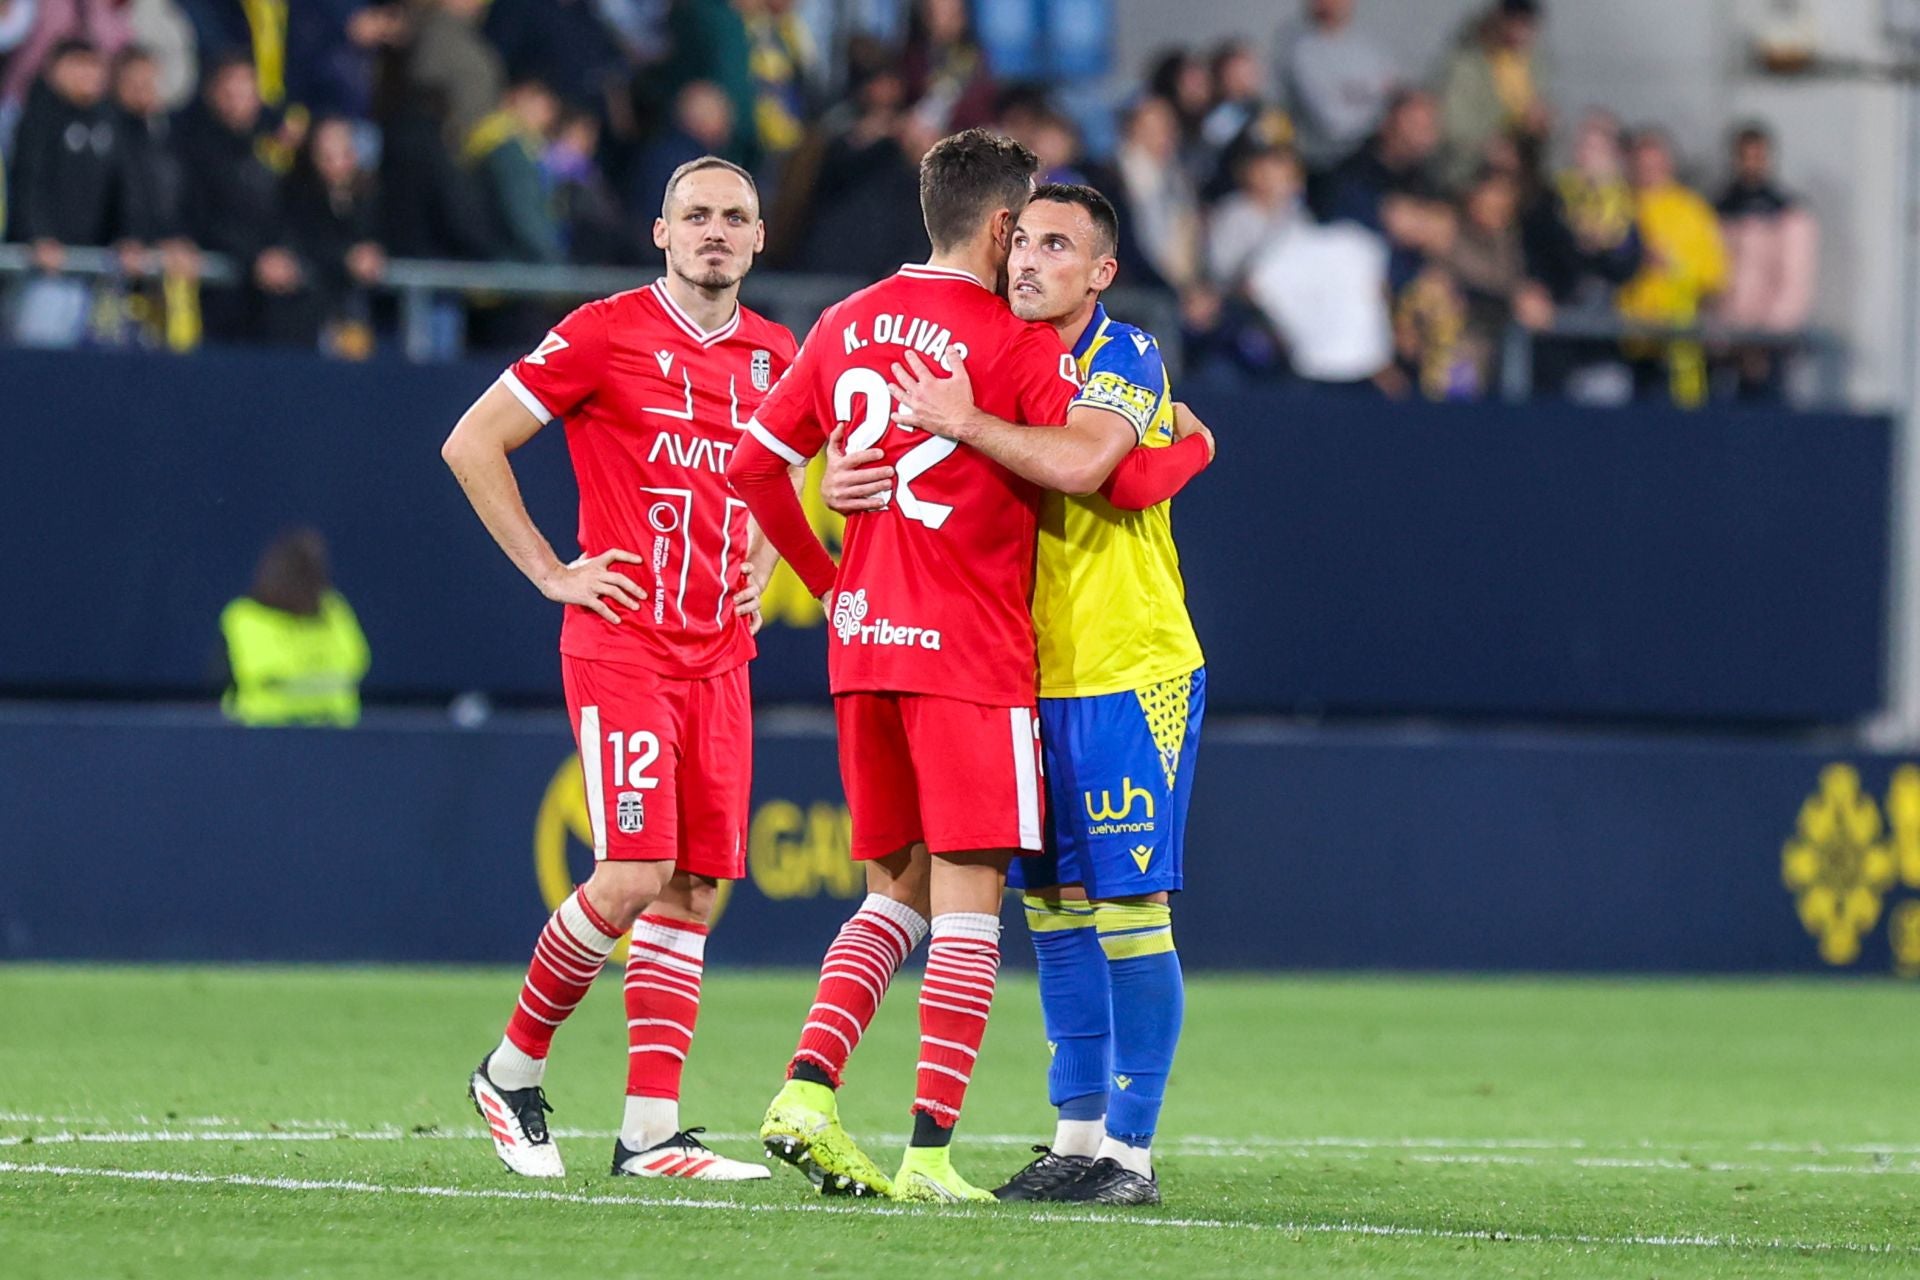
(1108, 603)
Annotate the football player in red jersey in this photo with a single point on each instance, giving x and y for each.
(656, 386)
(931, 655)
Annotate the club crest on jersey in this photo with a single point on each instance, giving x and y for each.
(762, 370)
(630, 813)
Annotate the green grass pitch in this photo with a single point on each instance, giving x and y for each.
(266, 1122)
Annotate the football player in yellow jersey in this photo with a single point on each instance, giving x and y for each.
(1122, 693)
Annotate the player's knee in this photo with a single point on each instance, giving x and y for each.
(688, 897)
(620, 891)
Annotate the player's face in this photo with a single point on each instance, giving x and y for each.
(1058, 264)
(711, 230)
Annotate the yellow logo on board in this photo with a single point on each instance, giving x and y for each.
(1847, 854)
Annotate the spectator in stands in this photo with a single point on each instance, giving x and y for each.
(1324, 289)
(1181, 79)
(333, 212)
(1265, 202)
(154, 164)
(1242, 118)
(1584, 241)
(785, 65)
(709, 42)
(233, 207)
(1390, 186)
(1158, 194)
(168, 316)
(505, 149)
(71, 186)
(453, 64)
(866, 219)
(55, 24)
(703, 124)
(434, 207)
(295, 652)
(1684, 267)
(1773, 258)
(1488, 262)
(163, 33)
(1336, 83)
(333, 47)
(946, 69)
(1055, 140)
(1399, 160)
(1494, 86)
(594, 226)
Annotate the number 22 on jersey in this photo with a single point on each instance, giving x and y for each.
(874, 420)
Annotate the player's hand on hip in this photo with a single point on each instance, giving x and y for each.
(591, 583)
(746, 601)
(855, 481)
(1187, 423)
(926, 401)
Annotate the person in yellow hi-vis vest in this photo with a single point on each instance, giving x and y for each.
(295, 652)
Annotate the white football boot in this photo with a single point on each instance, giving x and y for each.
(684, 1156)
(517, 1119)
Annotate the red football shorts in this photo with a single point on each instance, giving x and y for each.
(958, 775)
(667, 763)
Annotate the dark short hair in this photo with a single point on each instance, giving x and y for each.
(1105, 219)
(1752, 131)
(68, 47)
(692, 167)
(968, 176)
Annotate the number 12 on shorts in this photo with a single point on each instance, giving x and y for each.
(633, 754)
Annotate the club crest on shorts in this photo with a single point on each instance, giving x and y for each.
(762, 370)
(629, 813)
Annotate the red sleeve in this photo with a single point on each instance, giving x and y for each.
(1045, 380)
(787, 422)
(1148, 477)
(558, 376)
(759, 476)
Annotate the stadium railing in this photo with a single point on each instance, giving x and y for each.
(1822, 354)
(433, 294)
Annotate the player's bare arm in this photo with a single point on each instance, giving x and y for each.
(1075, 459)
(476, 451)
(1187, 423)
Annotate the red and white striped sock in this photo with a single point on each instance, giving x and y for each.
(664, 965)
(569, 955)
(866, 953)
(963, 962)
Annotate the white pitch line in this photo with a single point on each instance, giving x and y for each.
(177, 1177)
(1192, 1147)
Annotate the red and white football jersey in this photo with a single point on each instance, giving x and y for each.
(654, 407)
(933, 591)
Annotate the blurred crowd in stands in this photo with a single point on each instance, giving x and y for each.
(1320, 210)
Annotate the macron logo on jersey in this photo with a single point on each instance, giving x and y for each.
(550, 344)
(850, 624)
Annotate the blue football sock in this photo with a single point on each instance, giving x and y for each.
(1149, 999)
(1073, 1002)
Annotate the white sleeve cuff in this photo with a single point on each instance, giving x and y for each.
(774, 443)
(511, 382)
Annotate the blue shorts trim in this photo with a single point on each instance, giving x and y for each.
(1119, 776)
